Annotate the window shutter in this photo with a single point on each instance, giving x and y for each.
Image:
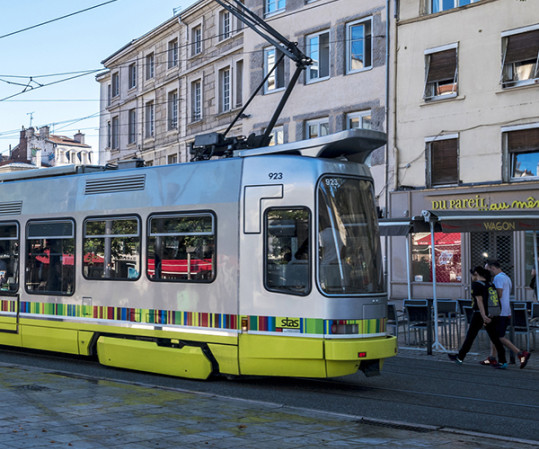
(522, 47)
(443, 65)
(444, 163)
(524, 140)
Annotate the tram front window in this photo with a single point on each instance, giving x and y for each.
(349, 255)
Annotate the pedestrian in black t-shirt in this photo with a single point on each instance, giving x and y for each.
(480, 318)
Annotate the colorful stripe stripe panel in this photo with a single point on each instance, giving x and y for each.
(201, 319)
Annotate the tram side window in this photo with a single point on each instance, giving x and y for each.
(111, 248)
(288, 249)
(9, 257)
(50, 257)
(181, 248)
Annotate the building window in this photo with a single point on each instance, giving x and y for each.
(522, 149)
(520, 55)
(196, 100)
(50, 252)
(444, 5)
(224, 25)
(109, 94)
(149, 131)
(150, 66)
(361, 119)
(273, 6)
(277, 136)
(359, 46)
(109, 134)
(239, 84)
(196, 40)
(181, 248)
(317, 128)
(172, 159)
(441, 73)
(173, 53)
(276, 79)
(173, 110)
(448, 257)
(115, 84)
(115, 133)
(9, 261)
(224, 90)
(132, 75)
(318, 51)
(111, 248)
(132, 137)
(442, 161)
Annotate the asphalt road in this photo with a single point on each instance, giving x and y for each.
(414, 391)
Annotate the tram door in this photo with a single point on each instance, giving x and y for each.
(9, 277)
(493, 246)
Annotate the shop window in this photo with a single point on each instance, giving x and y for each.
(442, 162)
(111, 248)
(529, 257)
(493, 246)
(181, 248)
(520, 58)
(522, 149)
(441, 73)
(50, 257)
(447, 250)
(287, 259)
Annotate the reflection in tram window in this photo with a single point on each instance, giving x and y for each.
(50, 257)
(111, 248)
(9, 257)
(349, 254)
(181, 248)
(288, 251)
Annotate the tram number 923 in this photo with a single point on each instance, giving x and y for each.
(275, 176)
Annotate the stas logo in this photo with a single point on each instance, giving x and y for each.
(288, 323)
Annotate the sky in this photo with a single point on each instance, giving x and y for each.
(48, 54)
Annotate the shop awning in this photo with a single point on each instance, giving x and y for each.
(402, 226)
(484, 221)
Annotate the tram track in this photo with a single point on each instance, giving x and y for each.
(391, 396)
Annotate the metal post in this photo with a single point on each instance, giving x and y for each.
(535, 263)
(408, 274)
(437, 345)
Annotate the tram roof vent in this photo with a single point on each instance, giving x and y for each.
(11, 208)
(115, 184)
(354, 145)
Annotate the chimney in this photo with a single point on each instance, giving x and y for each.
(44, 132)
(79, 137)
(30, 133)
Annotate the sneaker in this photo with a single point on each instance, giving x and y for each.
(501, 366)
(489, 361)
(455, 358)
(523, 356)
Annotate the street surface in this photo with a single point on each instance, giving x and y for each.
(411, 390)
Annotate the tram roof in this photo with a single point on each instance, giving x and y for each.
(353, 144)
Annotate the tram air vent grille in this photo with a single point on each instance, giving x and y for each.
(115, 185)
(11, 208)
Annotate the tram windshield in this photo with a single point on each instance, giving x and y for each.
(349, 255)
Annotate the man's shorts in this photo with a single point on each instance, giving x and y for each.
(501, 323)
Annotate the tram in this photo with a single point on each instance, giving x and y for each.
(264, 263)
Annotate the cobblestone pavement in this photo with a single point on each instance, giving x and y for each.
(50, 409)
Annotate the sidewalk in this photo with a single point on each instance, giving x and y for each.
(46, 409)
